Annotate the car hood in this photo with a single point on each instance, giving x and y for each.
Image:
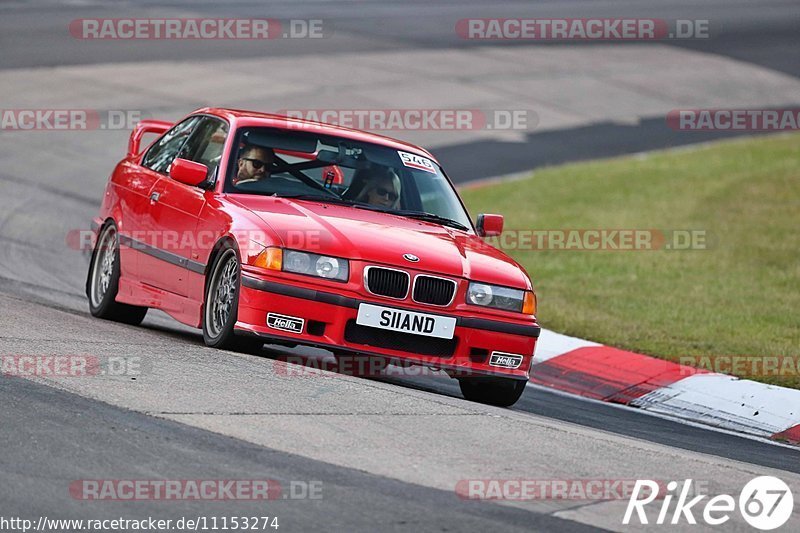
(383, 238)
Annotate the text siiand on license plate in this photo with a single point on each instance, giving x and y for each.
(393, 319)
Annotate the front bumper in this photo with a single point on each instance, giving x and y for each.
(329, 322)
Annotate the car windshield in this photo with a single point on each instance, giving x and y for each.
(311, 166)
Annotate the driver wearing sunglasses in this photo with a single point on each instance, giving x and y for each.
(253, 164)
(383, 189)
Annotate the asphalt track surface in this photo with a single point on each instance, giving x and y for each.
(51, 435)
(763, 33)
(63, 422)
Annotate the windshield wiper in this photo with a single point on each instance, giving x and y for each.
(430, 217)
(316, 198)
(329, 199)
(419, 215)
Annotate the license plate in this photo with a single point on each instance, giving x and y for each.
(375, 316)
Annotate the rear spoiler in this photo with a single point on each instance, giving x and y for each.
(145, 126)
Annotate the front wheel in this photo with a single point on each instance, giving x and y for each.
(102, 283)
(222, 304)
(501, 392)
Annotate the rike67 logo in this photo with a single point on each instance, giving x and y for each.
(766, 503)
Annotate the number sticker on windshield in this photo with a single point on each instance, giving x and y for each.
(417, 161)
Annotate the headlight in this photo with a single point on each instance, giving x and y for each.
(320, 266)
(501, 298)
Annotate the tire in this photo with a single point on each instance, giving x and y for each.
(501, 392)
(221, 305)
(102, 281)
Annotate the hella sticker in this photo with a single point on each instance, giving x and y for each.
(285, 323)
(505, 360)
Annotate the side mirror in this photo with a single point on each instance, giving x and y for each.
(146, 126)
(490, 225)
(188, 172)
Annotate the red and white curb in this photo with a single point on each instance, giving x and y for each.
(608, 374)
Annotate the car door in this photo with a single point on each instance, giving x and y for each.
(139, 180)
(174, 210)
(152, 169)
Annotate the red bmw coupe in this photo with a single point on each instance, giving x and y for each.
(259, 228)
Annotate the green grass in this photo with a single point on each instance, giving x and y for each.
(740, 297)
